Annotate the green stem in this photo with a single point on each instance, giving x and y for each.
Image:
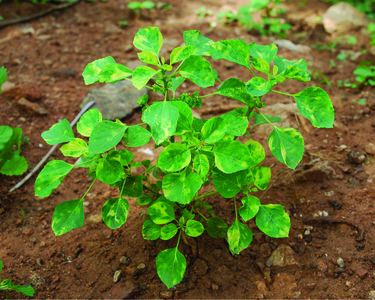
(205, 195)
(122, 188)
(235, 207)
(88, 190)
(179, 238)
(202, 215)
(282, 93)
(208, 95)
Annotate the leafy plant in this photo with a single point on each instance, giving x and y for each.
(270, 23)
(365, 74)
(8, 285)
(141, 5)
(199, 158)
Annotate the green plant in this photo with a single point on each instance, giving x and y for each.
(371, 31)
(8, 285)
(202, 12)
(365, 74)
(199, 158)
(138, 6)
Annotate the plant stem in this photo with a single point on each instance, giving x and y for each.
(235, 207)
(179, 238)
(208, 95)
(88, 190)
(282, 93)
(205, 195)
(122, 187)
(202, 215)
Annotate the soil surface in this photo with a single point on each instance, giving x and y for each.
(330, 197)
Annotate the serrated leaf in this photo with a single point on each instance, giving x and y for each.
(194, 228)
(142, 75)
(149, 39)
(231, 156)
(88, 121)
(51, 177)
(61, 132)
(315, 105)
(136, 136)
(287, 145)
(105, 135)
(161, 212)
(171, 266)
(239, 237)
(162, 118)
(198, 70)
(115, 212)
(174, 158)
(67, 216)
(250, 207)
(75, 148)
(273, 220)
(236, 51)
(182, 187)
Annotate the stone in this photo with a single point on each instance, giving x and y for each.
(282, 256)
(117, 276)
(289, 45)
(371, 294)
(343, 17)
(124, 260)
(370, 148)
(166, 294)
(340, 262)
(356, 157)
(116, 100)
(32, 107)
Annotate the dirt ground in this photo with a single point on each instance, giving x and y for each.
(330, 197)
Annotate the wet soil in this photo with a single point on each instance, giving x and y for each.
(330, 197)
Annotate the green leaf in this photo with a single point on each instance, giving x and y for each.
(162, 118)
(60, 132)
(113, 73)
(75, 148)
(150, 230)
(182, 187)
(149, 39)
(168, 231)
(15, 165)
(235, 89)
(250, 207)
(213, 130)
(201, 164)
(231, 156)
(228, 185)
(161, 212)
(115, 212)
(144, 200)
(217, 228)
(67, 216)
(6, 133)
(109, 170)
(92, 70)
(273, 220)
(235, 122)
(201, 43)
(262, 56)
(26, 290)
(236, 51)
(185, 119)
(51, 177)
(287, 145)
(315, 105)
(174, 158)
(262, 177)
(175, 83)
(1, 265)
(133, 186)
(194, 228)
(291, 69)
(136, 136)
(88, 121)
(171, 266)
(105, 135)
(239, 237)
(257, 152)
(181, 53)
(198, 70)
(148, 58)
(3, 76)
(260, 119)
(258, 86)
(142, 75)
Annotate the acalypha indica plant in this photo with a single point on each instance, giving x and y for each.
(199, 158)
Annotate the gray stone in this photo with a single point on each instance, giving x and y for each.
(340, 262)
(289, 45)
(343, 17)
(117, 276)
(115, 101)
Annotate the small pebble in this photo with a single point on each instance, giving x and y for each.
(340, 262)
(116, 276)
(214, 287)
(370, 148)
(166, 294)
(371, 294)
(124, 260)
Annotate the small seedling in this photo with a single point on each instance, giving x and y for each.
(202, 12)
(138, 6)
(365, 74)
(199, 159)
(8, 285)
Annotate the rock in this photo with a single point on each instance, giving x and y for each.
(340, 262)
(289, 45)
(370, 148)
(94, 218)
(117, 276)
(166, 294)
(117, 100)
(214, 287)
(371, 294)
(122, 291)
(315, 171)
(124, 260)
(356, 157)
(32, 107)
(200, 267)
(343, 17)
(141, 268)
(282, 256)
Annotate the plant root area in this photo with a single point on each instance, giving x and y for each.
(330, 197)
